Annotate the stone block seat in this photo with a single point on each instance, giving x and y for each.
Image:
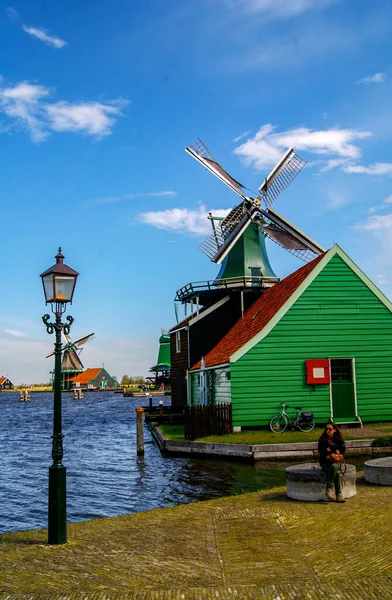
(307, 482)
(379, 471)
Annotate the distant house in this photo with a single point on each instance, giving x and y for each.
(93, 379)
(321, 339)
(6, 384)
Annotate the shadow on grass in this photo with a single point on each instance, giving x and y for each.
(23, 539)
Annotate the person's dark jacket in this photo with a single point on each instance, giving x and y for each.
(327, 447)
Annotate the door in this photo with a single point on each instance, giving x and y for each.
(343, 389)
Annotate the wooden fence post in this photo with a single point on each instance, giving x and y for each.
(139, 430)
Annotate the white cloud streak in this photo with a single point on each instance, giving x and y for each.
(266, 147)
(374, 169)
(11, 13)
(376, 78)
(125, 197)
(276, 9)
(49, 40)
(15, 333)
(28, 106)
(376, 223)
(182, 220)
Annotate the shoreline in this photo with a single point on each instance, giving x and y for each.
(253, 453)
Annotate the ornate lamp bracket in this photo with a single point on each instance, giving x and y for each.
(58, 325)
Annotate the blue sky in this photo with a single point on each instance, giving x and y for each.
(98, 100)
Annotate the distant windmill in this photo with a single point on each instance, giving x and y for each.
(71, 364)
(255, 213)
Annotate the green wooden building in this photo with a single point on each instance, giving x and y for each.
(321, 339)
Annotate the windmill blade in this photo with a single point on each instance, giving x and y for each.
(201, 153)
(289, 237)
(82, 340)
(281, 176)
(217, 245)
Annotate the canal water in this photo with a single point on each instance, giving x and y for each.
(104, 475)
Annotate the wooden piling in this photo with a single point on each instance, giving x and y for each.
(139, 430)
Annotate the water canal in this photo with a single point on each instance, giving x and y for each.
(104, 475)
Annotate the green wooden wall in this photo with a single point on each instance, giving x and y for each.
(336, 316)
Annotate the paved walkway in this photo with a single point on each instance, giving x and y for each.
(252, 546)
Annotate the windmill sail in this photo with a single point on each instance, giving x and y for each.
(201, 153)
(71, 346)
(281, 176)
(289, 237)
(227, 232)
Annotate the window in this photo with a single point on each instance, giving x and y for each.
(341, 369)
(178, 341)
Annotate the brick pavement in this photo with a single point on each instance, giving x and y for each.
(252, 546)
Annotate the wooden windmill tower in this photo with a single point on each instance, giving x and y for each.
(71, 365)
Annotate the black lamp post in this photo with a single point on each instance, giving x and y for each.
(59, 285)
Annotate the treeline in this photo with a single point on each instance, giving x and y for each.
(131, 380)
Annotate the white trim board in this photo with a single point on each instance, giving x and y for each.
(334, 251)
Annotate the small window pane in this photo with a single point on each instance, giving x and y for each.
(341, 369)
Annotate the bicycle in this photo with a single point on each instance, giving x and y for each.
(304, 421)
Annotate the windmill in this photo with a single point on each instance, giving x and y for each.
(248, 223)
(71, 364)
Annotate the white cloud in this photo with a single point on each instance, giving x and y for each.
(11, 13)
(266, 147)
(113, 199)
(374, 169)
(182, 220)
(376, 78)
(337, 199)
(27, 105)
(93, 118)
(40, 34)
(277, 8)
(241, 136)
(15, 333)
(376, 223)
(388, 200)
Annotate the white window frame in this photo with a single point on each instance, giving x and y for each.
(178, 342)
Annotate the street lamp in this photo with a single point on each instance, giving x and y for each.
(59, 284)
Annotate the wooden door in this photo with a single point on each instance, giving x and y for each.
(343, 389)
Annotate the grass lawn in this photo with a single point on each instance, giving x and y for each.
(264, 436)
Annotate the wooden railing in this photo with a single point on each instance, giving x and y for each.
(209, 419)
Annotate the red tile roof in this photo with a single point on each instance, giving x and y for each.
(258, 315)
(2, 380)
(86, 376)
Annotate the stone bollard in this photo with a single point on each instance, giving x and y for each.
(139, 430)
(379, 471)
(307, 482)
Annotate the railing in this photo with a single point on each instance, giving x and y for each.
(192, 290)
(206, 420)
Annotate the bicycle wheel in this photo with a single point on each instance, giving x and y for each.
(306, 425)
(278, 424)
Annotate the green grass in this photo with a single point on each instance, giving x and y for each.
(264, 436)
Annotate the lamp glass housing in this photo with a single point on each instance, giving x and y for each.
(58, 288)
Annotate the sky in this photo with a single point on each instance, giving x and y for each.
(99, 98)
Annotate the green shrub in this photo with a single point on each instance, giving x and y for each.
(385, 440)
